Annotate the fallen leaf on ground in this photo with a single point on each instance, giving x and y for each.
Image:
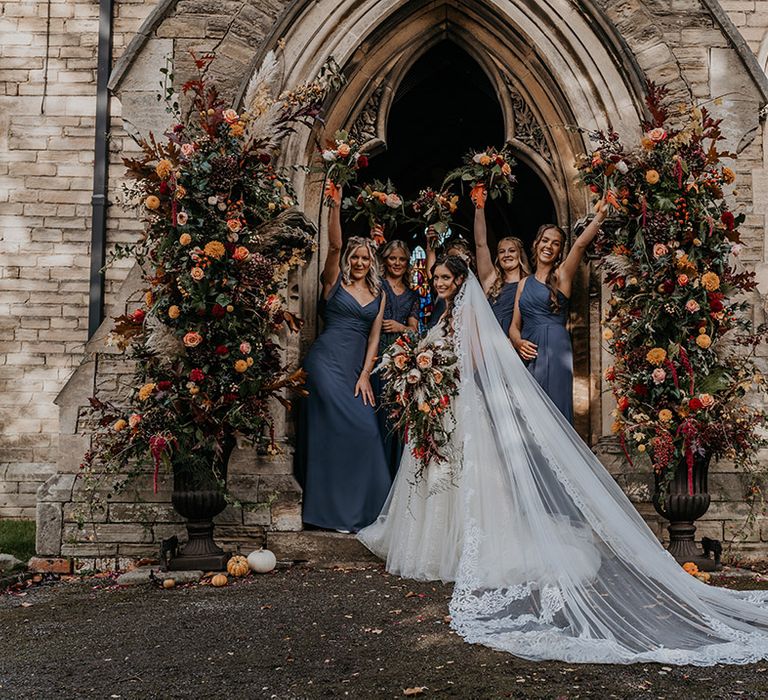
(416, 690)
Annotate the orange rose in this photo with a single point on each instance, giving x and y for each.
(197, 273)
(343, 150)
(703, 341)
(185, 239)
(234, 225)
(401, 361)
(665, 415)
(241, 253)
(174, 311)
(485, 159)
(241, 366)
(193, 339)
(652, 177)
(152, 202)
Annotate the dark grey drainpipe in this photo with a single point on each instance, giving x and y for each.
(100, 166)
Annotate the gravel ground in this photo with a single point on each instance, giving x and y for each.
(296, 633)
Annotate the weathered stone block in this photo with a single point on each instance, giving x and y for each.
(48, 533)
(57, 489)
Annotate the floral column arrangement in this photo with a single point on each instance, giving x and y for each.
(221, 236)
(677, 321)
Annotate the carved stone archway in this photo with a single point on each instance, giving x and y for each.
(552, 70)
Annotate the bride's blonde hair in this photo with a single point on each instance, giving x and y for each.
(373, 276)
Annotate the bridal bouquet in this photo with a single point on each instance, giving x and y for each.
(341, 160)
(380, 205)
(435, 209)
(488, 173)
(421, 380)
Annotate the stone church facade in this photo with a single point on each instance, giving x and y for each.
(550, 66)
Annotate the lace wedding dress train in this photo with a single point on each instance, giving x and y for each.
(550, 559)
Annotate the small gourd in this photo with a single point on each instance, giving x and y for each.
(262, 561)
(219, 580)
(238, 566)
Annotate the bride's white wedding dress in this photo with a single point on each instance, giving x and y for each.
(550, 559)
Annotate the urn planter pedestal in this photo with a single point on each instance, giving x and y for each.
(199, 500)
(682, 506)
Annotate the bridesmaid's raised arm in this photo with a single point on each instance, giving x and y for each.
(363, 385)
(567, 270)
(431, 254)
(485, 269)
(332, 268)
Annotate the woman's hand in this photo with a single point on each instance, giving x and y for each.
(333, 193)
(389, 325)
(527, 350)
(363, 387)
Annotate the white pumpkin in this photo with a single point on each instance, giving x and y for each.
(262, 561)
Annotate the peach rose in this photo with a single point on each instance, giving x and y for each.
(682, 280)
(152, 202)
(241, 253)
(134, 419)
(652, 177)
(230, 116)
(241, 366)
(181, 218)
(197, 273)
(185, 239)
(193, 339)
(707, 400)
(234, 225)
(658, 375)
(692, 306)
(659, 249)
(485, 159)
(703, 341)
(424, 359)
(174, 311)
(437, 375)
(401, 361)
(343, 150)
(187, 149)
(245, 348)
(656, 135)
(665, 415)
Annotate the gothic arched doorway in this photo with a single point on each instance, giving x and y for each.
(445, 106)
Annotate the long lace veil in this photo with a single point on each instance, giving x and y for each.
(556, 563)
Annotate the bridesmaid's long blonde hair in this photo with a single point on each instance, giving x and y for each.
(525, 267)
(373, 276)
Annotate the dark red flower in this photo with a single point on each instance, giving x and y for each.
(177, 128)
(196, 375)
(594, 189)
(499, 160)
(695, 404)
(715, 301)
(163, 187)
(362, 162)
(138, 316)
(164, 385)
(229, 398)
(230, 247)
(668, 286)
(265, 158)
(218, 311)
(729, 220)
(640, 389)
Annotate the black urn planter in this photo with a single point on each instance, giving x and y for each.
(200, 500)
(682, 506)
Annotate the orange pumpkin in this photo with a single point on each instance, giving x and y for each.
(219, 580)
(238, 566)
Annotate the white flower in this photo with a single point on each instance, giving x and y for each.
(329, 155)
(413, 376)
(212, 200)
(476, 158)
(736, 249)
(622, 167)
(393, 201)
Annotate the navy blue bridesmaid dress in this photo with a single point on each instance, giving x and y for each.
(400, 308)
(438, 309)
(553, 367)
(345, 473)
(503, 305)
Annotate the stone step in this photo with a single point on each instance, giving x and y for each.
(318, 547)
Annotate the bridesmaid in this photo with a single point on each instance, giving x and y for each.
(538, 329)
(401, 313)
(500, 279)
(346, 474)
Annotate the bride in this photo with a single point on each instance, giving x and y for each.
(550, 559)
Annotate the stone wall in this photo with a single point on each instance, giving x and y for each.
(47, 123)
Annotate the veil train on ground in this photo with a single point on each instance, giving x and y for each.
(552, 560)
